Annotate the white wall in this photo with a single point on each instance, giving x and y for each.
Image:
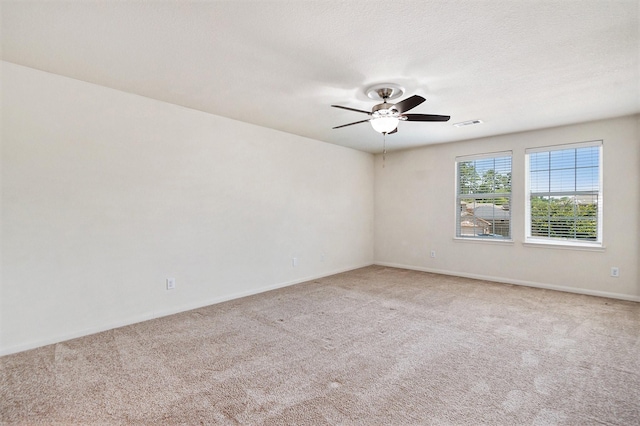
(415, 213)
(106, 194)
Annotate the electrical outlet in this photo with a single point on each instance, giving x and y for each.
(294, 261)
(615, 271)
(433, 253)
(171, 283)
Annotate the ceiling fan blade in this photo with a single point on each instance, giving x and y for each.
(393, 131)
(351, 124)
(426, 117)
(351, 109)
(408, 103)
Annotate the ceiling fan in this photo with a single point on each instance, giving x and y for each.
(386, 116)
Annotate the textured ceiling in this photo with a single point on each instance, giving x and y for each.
(516, 65)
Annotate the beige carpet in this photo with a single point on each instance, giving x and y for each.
(371, 346)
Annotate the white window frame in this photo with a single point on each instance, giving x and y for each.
(564, 242)
(458, 196)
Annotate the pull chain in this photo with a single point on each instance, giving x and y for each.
(384, 148)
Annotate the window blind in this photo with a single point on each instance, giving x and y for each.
(564, 193)
(483, 200)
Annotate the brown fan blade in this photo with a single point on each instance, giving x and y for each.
(351, 109)
(351, 124)
(426, 117)
(408, 103)
(393, 131)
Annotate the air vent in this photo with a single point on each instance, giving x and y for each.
(468, 123)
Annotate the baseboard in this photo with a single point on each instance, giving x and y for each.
(74, 335)
(216, 300)
(515, 282)
(225, 298)
(174, 310)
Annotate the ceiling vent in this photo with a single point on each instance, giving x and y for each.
(468, 123)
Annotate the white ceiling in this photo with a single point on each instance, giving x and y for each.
(515, 64)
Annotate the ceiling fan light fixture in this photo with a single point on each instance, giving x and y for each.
(384, 124)
(384, 117)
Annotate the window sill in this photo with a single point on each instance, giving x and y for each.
(483, 240)
(563, 245)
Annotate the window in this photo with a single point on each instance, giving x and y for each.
(483, 201)
(564, 194)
